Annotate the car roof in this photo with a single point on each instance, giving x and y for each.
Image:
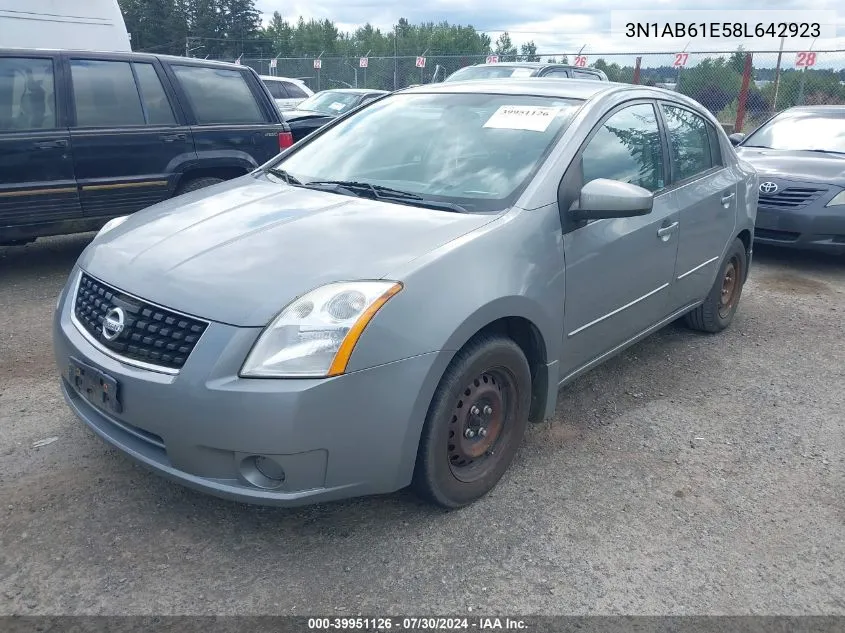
(537, 65)
(355, 91)
(278, 78)
(123, 54)
(818, 109)
(535, 86)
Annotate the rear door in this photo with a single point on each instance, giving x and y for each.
(705, 192)
(37, 183)
(231, 114)
(127, 134)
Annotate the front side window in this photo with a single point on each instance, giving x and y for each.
(219, 95)
(27, 94)
(475, 150)
(627, 147)
(105, 94)
(689, 142)
(294, 91)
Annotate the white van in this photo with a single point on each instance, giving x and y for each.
(95, 25)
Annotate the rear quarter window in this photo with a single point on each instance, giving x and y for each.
(219, 95)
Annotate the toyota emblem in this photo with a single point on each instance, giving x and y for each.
(768, 188)
(113, 323)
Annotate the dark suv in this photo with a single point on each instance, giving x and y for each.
(85, 136)
(526, 69)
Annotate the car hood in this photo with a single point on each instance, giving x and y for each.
(794, 165)
(238, 252)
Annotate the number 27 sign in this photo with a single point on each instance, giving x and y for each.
(680, 60)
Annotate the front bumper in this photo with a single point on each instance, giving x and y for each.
(815, 228)
(333, 438)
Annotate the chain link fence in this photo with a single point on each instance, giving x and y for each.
(740, 88)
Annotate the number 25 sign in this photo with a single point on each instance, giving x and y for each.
(581, 61)
(805, 59)
(680, 60)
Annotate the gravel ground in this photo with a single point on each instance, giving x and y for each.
(693, 474)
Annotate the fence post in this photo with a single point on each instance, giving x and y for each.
(743, 93)
(637, 70)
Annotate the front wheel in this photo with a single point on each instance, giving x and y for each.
(475, 423)
(719, 308)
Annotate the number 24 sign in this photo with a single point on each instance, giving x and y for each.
(805, 59)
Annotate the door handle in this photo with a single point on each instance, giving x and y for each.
(51, 144)
(169, 138)
(727, 198)
(665, 232)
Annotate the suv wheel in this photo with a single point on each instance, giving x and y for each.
(197, 183)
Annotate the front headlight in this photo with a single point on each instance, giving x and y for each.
(314, 336)
(838, 199)
(111, 224)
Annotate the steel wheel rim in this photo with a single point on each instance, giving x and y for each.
(730, 287)
(480, 424)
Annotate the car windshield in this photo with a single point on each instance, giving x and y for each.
(329, 102)
(802, 130)
(490, 71)
(472, 150)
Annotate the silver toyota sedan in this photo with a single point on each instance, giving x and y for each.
(391, 301)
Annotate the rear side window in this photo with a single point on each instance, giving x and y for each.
(155, 99)
(557, 74)
(580, 74)
(294, 91)
(105, 94)
(715, 146)
(276, 89)
(689, 142)
(27, 94)
(219, 95)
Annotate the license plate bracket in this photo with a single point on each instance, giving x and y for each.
(94, 385)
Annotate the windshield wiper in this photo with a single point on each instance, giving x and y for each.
(388, 194)
(281, 173)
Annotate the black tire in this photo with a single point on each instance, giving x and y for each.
(489, 371)
(719, 308)
(197, 183)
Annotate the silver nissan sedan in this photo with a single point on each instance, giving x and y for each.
(391, 301)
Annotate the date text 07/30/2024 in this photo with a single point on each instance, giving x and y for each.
(416, 624)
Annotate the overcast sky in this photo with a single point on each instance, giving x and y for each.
(556, 26)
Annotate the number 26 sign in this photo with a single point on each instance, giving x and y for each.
(581, 61)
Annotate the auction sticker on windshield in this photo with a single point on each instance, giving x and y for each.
(337, 106)
(514, 117)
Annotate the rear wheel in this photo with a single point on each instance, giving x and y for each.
(197, 183)
(719, 308)
(475, 423)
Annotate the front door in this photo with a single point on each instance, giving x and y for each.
(619, 271)
(705, 191)
(37, 184)
(127, 136)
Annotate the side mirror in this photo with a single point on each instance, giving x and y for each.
(737, 138)
(602, 199)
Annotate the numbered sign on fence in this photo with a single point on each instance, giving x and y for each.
(680, 60)
(492, 59)
(420, 62)
(274, 63)
(581, 60)
(805, 59)
(363, 62)
(318, 64)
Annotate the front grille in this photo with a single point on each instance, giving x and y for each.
(150, 334)
(790, 198)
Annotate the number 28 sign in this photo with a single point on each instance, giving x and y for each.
(805, 59)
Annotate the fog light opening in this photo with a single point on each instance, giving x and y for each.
(263, 472)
